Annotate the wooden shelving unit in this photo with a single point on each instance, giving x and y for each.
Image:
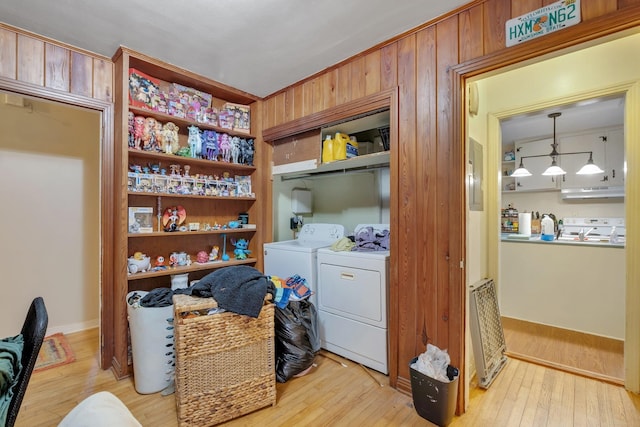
(216, 211)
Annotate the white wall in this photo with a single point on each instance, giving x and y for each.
(349, 199)
(551, 202)
(50, 190)
(580, 288)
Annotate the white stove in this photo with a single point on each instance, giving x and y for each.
(593, 229)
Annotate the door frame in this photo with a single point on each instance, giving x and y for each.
(552, 45)
(106, 195)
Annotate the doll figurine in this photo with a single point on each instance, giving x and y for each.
(210, 145)
(213, 255)
(247, 152)
(138, 128)
(158, 136)
(235, 149)
(130, 122)
(195, 141)
(225, 146)
(170, 134)
(148, 130)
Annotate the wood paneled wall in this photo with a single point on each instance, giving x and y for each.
(427, 282)
(28, 58)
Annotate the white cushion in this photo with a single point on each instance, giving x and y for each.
(102, 409)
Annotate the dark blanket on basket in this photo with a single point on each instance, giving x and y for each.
(240, 289)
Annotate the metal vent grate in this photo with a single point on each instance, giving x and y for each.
(487, 335)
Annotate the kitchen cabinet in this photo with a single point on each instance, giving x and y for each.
(535, 165)
(608, 153)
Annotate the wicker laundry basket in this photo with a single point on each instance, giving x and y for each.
(225, 362)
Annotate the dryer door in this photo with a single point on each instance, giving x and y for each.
(352, 292)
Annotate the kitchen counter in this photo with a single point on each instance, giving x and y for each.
(590, 242)
(570, 285)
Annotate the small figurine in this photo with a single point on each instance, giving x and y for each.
(159, 264)
(241, 251)
(235, 149)
(130, 125)
(202, 257)
(170, 134)
(158, 137)
(213, 255)
(210, 151)
(225, 147)
(138, 129)
(183, 152)
(195, 141)
(148, 130)
(173, 217)
(155, 167)
(249, 152)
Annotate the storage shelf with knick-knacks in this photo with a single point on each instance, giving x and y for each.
(193, 267)
(509, 183)
(187, 149)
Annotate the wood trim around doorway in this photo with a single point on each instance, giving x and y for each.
(106, 199)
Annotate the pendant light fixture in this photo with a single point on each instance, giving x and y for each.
(589, 168)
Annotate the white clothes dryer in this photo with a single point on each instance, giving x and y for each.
(353, 290)
(299, 256)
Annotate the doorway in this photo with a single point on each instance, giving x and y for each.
(555, 308)
(558, 81)
(62, 241)
(49, 179)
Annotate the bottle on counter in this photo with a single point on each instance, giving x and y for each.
(613, 237)
(547, 228)
(560, 229)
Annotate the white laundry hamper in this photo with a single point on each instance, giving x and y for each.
(152, 344)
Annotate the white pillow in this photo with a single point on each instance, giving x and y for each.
(102, 409)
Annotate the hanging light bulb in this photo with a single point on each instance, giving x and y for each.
(590, 168)
(554, 169)
(521, 171)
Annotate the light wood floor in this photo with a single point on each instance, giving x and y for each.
(577, 352)
(523, 394)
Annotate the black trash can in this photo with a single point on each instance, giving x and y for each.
(434, 400)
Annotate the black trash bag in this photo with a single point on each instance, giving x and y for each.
(296, 338)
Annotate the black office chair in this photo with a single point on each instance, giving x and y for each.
(33, 331)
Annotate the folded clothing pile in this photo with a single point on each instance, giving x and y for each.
(293, 288)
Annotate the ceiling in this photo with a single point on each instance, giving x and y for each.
(590, 114)
(259, 47)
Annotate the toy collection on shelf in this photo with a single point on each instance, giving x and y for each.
(186, 103)
(153, 179)
(139, 262)
(173, 219)
(149, 134)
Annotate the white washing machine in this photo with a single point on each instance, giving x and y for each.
(353, 289)
(298, 256)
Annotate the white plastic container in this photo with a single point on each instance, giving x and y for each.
(547, 228)
(151, 345)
